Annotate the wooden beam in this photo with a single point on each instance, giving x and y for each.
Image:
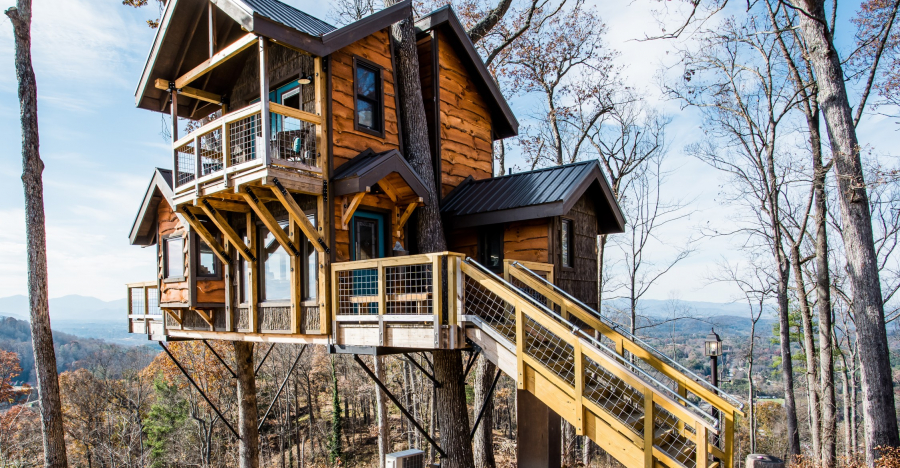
(206, 318)
(174, 316)
(204, 234)
(405, 217)
(227, 205)
(351, 208)
(264, 117)
(266, 217)
(295, 113)
(220, 57)
(299, 217)
(191, 92)
(227, 231)
(389, 189)
(325, 207)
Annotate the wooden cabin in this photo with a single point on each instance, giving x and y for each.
(287, 216)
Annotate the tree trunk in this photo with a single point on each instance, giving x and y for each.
(568, 441)
(809, 348)
(878, 396)
(248, 416)
(484, 436)
(38, 298)
(453, 416)
(787, 368)
(381, 410)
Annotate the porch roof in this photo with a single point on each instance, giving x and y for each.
(369, 168)
(541, 193)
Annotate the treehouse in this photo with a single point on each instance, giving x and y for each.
(289, 212)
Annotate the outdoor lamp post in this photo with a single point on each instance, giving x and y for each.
(713, 348)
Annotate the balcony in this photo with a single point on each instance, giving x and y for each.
(231, 150)
(144, 315)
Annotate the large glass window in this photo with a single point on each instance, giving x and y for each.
(276, 267)
(173, 253)
(207, 263)
(312, 266)
(566, 247)
(369, 98)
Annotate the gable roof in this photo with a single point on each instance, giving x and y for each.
(160, 188)
(369, 167)
(504, 121)
(536, 194)
(181, 39)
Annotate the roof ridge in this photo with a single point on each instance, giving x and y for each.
(291, 7)
(543, 169)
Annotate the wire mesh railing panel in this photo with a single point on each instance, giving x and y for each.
(211, 152)
(186, 161)
(664, 381)
(674, 437)
(409, 289)
(358, 292)
(550, 350)
(490, 308)
(243, 137)
(137, 301)
(293, 140)
(622, 401)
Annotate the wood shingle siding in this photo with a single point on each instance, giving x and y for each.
(348, 142)
(175, 294)
(465, 121)
(580, 280)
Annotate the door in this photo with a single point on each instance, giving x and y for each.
(367, 242)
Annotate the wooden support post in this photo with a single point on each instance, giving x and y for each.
(520, 346)
(539, 432)
(253, 286)
(201, 231)
(293, 208)
(269, 221)
(579, 387)
(728, 438)
(226, 229)
(350, 209)
(174, 109)
(296, 285)
(226, 148)
(381, 290)
(265, 118)
(649, 427)
(211, 13)
(198, 165)
(325, 211)
(230, 295)
(702, 440)
(437, 297)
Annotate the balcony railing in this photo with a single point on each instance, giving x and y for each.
(234, 143)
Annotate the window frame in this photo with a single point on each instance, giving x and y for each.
(165, 252)
(571, 238)
(195, 260)
(379, 82)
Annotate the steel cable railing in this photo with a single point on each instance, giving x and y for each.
(640, 342)
(640, 373)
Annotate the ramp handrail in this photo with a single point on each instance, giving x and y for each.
(657, 385)
(647, 346)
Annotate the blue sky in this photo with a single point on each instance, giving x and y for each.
(100, 150)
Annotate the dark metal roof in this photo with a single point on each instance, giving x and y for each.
(142, 232)
(536, 194)
(289, 16)
(369, 167)
(504, 121)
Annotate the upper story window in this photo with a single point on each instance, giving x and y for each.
(207, 262)
(369, 97)
(567, 244)
(173, 257)
(276, 263)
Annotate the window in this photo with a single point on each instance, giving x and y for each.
(490, 247)
(173, 256)
(207, 262)
(567, 244)
(366, 230)
(276, 277)
(369, 97)
(311, 269)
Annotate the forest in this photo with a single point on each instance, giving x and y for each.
(782, 92)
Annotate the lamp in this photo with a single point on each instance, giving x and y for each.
(304, 80)
(713, 344)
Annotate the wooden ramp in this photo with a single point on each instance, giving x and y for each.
(640, 407)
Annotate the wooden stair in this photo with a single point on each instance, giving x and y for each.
(591, 386)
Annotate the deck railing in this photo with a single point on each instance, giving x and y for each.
(143, 306)
(234, 143)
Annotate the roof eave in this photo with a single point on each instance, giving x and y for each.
(342, 37)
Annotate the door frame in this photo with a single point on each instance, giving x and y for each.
(383, 217)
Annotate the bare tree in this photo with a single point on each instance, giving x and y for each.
(32, 169)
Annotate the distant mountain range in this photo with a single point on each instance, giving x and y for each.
(72, 307)
(664, 308)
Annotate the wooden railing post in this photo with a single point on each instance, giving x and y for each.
(520, 345)
(226, 150)
(649, 420)
(437, 296)
(728, 439)
(264, 118)
(702, 434)
(682, 392)
(579, 386)
(198, 168)
(381, 290)
(253, 285)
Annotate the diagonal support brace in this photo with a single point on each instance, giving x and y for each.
(472, 358)
(283, 383)
(396, 402)
(197, 387)
(419, 366)
(233, 375)
(484, 405)
(259, 366)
